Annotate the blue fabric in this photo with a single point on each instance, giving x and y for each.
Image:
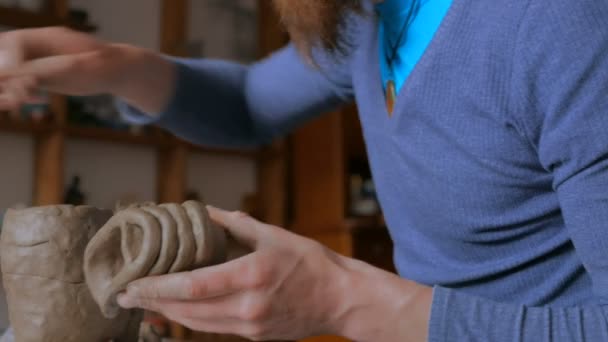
(424, 16)
(492, 172)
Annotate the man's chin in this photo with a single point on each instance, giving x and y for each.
(312, 23)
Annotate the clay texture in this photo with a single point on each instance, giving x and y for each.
(42, 256)
(146, 240)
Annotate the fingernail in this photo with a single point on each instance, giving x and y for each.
(125, 301)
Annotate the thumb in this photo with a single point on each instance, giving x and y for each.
(242, 227)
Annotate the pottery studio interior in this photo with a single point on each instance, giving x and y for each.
(303, 170)
(74, 162)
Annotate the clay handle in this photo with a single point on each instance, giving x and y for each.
(126, 248)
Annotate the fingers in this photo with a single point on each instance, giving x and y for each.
(42, 68)
(42, 42)
(17, 92)
(20, 84)
(11, 55)
(43, 54)
(204, 283)
(22, 88)
(209, 282)
(222, 327)
(230, 314)
(241, 226)
(214, 308)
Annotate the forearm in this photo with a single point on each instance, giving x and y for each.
(147, 80)
(380, 306)
(199, 100)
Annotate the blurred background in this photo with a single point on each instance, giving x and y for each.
(316, 182)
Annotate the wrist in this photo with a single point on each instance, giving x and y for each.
(380, 306)
(144, 79)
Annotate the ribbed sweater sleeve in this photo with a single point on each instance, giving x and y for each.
(457, 316)
(221, 103)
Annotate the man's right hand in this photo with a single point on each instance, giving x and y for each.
(63, 61)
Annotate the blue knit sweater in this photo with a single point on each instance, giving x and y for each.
(492, 173)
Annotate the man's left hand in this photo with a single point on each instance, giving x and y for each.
(288, 288)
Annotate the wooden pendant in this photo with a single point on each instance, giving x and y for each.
(391, 97)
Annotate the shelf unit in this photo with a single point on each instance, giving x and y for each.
(22, 127)
(51, 137)
(19, 18)
(163, 142)
(320, 194)
(156, 138)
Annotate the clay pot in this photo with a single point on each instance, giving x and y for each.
(42, 255)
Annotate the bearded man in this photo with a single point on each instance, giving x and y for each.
(485, 123)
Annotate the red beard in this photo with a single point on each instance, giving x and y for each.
(316, 23)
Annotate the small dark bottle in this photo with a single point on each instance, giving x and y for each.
(74, 195)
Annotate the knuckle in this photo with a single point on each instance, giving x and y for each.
(239, 215)
(190, 288)
(147, 291)
(73, 64)
(310, 247)
(76, 63)
(257, 276)
(30, 82)
(106, 53)
(256, 332)
(146, 303)
(254, 310)
(195, 289)
(53, 31)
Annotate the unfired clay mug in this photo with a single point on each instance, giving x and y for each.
(42, 251)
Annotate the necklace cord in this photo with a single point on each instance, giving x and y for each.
(394, 49)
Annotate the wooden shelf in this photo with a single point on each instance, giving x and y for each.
(149, 139)
(24, 127)
(245, 153)
(121, 137)
(19, 18)
(347, 225)
(112, 136)
(365, 222)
